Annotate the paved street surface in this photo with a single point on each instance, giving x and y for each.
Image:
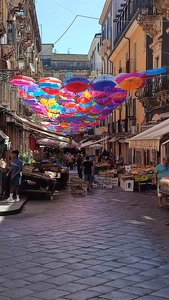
(110, 244)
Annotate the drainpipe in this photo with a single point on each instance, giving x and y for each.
(128, 107)
(129, 50)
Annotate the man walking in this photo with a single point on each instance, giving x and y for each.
(15, 171)
(88, 168)
(161, 171)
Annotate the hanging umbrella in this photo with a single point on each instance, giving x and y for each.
(50, 79)
(21, 82)
(51, 91)
(38, 93)
(31, 101)
(48, 102)
(84, 100)
(131, 83)
(103, 83)
(103, 101)
(118, 94)
(22, 77)
(24, 95)
(153, 72)
(104, 86)
(96, 94)
(128, 75)
(107, 77)
(76, 84)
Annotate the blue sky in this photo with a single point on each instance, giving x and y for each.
(54, 17)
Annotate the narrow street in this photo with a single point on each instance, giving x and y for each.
(109, 244)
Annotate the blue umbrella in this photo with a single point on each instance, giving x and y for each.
(154, 72)
(104, 85)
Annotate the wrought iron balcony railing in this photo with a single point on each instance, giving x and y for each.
(155, 86)
(142, 7)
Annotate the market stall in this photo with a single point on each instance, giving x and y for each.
(136, 175)
(44, 177)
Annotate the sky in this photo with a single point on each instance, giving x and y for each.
(55, 16)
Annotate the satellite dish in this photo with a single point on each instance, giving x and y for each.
(31, 65)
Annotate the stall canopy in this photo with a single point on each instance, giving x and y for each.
(150, 138)
(55, 143)
(90, 143)
(4, 142)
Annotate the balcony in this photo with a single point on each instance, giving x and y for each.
(155, 93)
(123, 22)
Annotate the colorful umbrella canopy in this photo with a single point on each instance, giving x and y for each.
(81, 104)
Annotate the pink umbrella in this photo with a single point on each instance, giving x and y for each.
(128, 75)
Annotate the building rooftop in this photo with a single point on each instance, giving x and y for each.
(69, 57)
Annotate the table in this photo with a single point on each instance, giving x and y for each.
(43, 183)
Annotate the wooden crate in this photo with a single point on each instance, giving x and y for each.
(77, 186)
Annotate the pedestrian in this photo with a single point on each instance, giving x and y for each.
(15, 172)
(71, 158)
(79, 161)
(92, 159)
(88, 169)
(161, 171)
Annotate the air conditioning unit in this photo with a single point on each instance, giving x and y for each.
(133, 129)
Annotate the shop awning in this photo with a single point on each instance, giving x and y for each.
(55, 143)
(114, 139)
(90, 143)
(42, 130)
(150, 138)
(123, 141)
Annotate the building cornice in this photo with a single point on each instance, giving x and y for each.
(104, 11)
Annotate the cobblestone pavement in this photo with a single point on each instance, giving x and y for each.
(110, 244)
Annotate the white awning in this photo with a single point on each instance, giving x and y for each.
(150, 138)
(55, 143)
(90, 143)
(114, 139)
(123, 141)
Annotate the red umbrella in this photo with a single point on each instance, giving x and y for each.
(76, 84)
(50, 79)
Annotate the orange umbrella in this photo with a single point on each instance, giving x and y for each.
(131, 83)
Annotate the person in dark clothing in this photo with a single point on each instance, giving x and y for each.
(79, 161)
(15, 171)
(88, 168)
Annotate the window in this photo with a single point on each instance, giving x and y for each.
(156, 62)
(135, 57)
(69, 75)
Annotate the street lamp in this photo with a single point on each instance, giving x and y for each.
(21, 63)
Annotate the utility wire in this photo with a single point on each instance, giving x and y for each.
(63, 7)
(81, 16)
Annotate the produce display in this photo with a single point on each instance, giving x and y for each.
(142, 173)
